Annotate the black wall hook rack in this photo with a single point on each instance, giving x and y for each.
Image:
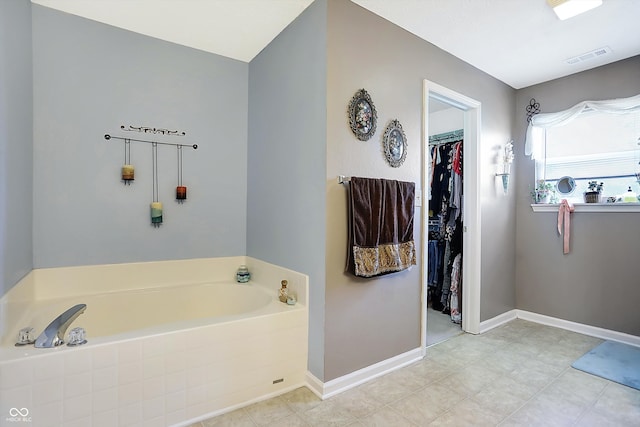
(108, 137)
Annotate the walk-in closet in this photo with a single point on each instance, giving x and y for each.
(445, 222)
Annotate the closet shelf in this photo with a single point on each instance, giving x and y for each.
(590, 207)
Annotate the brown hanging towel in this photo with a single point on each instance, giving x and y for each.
(380, 226)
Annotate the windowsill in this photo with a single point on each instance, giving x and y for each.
(590, 207)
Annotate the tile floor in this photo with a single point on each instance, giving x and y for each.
(518, 374)
(440, 327)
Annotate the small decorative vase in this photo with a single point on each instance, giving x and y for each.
(592, 197)
(505, 183)
(544, 197)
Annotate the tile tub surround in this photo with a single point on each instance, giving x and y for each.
(161, 379)
(517, 374)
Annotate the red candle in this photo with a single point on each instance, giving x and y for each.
(181, 192)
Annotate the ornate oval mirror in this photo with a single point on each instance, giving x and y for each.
(362, 115)
(566, 185)
(394, 144)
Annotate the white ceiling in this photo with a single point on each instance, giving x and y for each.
(520, 42)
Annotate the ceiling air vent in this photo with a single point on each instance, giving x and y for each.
(589, 55)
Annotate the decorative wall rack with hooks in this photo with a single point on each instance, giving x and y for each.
(108, 137)
(128, 169)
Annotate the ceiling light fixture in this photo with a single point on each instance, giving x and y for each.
(566, 9)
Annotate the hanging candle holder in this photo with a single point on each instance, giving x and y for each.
(156, 206)
(181, 190)
(156, 214)
(128, 171)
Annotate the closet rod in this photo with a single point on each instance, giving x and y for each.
(447, 137)
(108, 137)
(438, 144)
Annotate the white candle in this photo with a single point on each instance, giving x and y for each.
(128, 172)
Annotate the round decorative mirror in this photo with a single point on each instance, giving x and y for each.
(394, 144)
(362, 115)
(566, 185)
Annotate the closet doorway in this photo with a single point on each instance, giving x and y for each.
(449, 118)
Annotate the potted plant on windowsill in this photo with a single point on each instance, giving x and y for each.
(594, 192)
(543, 193)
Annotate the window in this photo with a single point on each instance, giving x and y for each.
(592, 141)
(595, 147)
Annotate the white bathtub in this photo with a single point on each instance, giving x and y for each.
(146, 311)
(158, 353)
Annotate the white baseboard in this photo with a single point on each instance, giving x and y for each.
(315, 385)
(500, 319)
(580, 328)
(346, 382)
(593, 331)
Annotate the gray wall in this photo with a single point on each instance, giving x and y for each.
(597, 282)
(367, 321)
(286, 160)
(16, 143)
(273, 136)
(89, 79)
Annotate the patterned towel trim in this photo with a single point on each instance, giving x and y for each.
(383, 258)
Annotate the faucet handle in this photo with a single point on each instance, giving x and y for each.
(77, 336)
(25, 336)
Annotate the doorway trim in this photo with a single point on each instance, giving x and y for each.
(471, 266)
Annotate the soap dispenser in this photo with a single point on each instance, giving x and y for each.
(283, 293)
(630, 196)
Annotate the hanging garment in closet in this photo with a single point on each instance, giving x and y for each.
(456, 315)
(453, 248)
(436, 253)
(455, 183)
(441, 176)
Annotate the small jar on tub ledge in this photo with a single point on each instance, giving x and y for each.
(243, 275)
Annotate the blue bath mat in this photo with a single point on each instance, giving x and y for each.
(613, 361)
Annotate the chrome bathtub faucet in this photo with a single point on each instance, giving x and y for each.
(53, 335)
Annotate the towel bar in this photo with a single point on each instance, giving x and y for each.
(343, 179)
